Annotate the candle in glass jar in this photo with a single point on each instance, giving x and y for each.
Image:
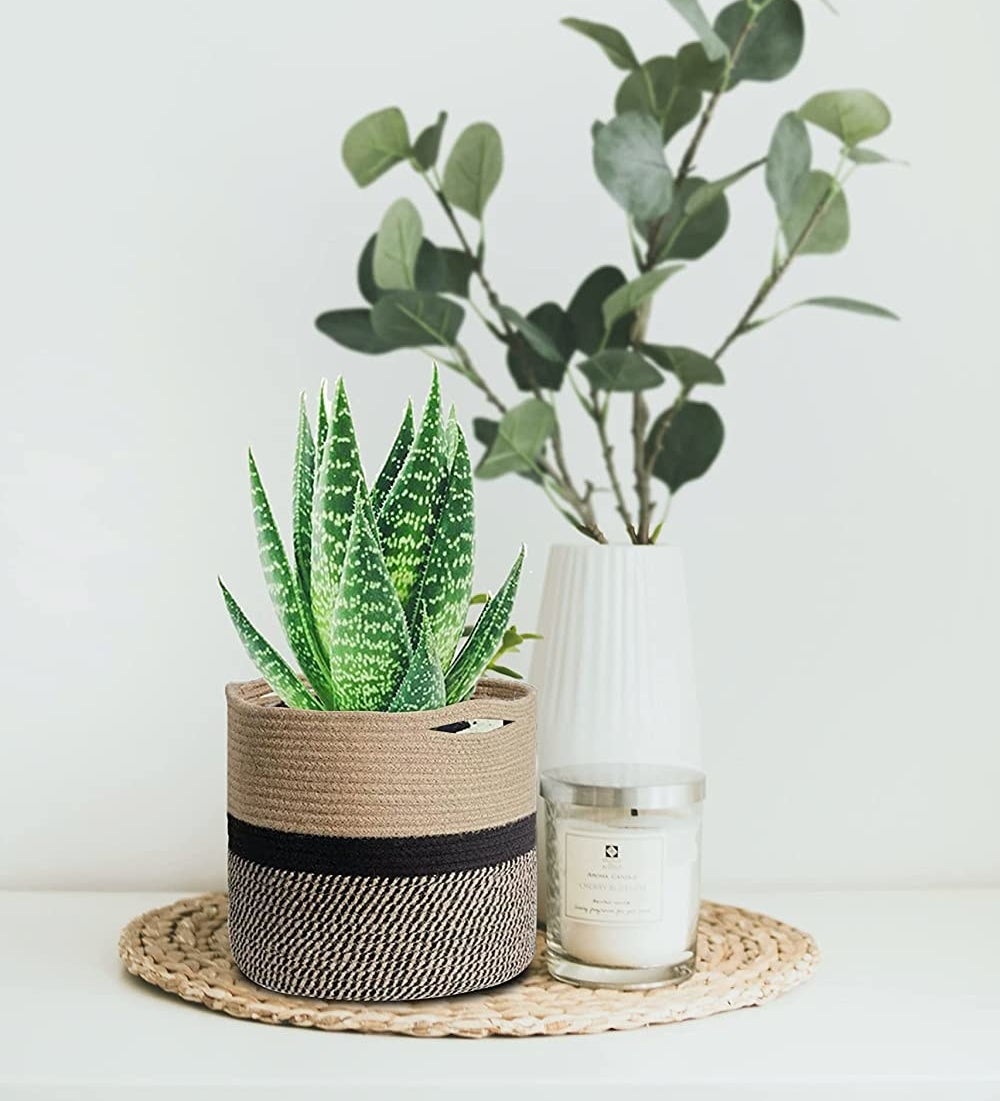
(623, 854)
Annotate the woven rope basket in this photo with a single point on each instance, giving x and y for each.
(381, 857)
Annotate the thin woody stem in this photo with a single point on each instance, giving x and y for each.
(559, 475)
(600, 417)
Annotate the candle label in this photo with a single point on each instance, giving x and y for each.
(614, 879)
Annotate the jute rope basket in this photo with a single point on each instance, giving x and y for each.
(743, 959)
(382, 856)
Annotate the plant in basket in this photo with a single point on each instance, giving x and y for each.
(381, 805)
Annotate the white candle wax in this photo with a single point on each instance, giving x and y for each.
(629, 888)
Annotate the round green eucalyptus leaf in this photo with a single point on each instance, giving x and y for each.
(690, 367)
(684, 236)
(412, 319)
(831, 230)
(518, 440)
(397, 243)
(428, 143)
(788, 160)
(586, 311)
(620, 370)
(853, 115)
(374, 144)
(629, 162)
(657, 89)
(458, 267)
(773, 44)
(870, 156)
(434, 271)
(697, 70)
(353, 329)
(528, 366)
(473, 168)
(614, 44)
(690, 446)
(693, 14)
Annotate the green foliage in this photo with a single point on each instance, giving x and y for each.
(632, 295)
(629, 161)
(373, 145)
(853, 116)
(519, 439)
(690, 444)
(789, 158)
(539, 351)
(414, 319)
(586, 312)
(620, 369)
(511, 643)
(375, 606)
(691, 10)
(687, 235)
(394, 262)
(428, 143)
(613, 43)
(485, 638)
(816, 220)
(601, 342)
(657, 88)
(691, 368)
(473, 169)
(772, 32)
(353, 329)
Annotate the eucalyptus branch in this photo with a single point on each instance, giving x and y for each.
(640, 423)
(772, 279)
(561, 475)
(744, 323)
(630, 163)
(599, 415)
(687, 161)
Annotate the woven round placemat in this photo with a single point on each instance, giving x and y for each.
(744, 959)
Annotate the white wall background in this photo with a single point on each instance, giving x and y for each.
(174, 213)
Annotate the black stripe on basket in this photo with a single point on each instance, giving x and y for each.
(381, 856)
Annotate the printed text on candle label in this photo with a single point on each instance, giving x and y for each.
(613, 879)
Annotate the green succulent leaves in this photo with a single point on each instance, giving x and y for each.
(374, 606)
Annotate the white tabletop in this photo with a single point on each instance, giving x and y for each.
(905, 1005)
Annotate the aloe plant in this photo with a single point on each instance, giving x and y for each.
(375, 599)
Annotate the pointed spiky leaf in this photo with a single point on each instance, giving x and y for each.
(446, 584)
(333, 507)
(273, 667)
(394, 462)
(370, 644)
(406, 522)
(451, 434)
(486, 636)
(422, 687)
(322, 423)
(302, 495)
(284, 590)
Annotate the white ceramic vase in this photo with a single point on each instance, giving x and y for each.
(614, 670)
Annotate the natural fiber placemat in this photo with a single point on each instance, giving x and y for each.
(744, 959)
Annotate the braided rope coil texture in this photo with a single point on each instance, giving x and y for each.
(382, 939)
(744, 959)
(315, 776)
(374, 774)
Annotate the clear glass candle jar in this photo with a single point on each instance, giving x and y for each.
(623, 855)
